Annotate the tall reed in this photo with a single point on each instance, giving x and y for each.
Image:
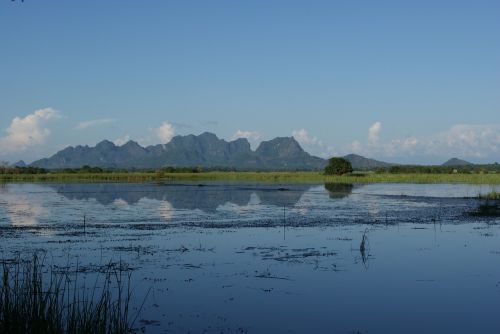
(35, 300)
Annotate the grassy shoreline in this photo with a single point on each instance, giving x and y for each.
(290, 177)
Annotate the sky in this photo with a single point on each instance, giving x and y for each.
(400, 81)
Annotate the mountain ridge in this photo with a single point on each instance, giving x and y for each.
(204, 150)
(456, 162)
(359, 162)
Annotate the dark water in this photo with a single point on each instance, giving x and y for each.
(284, 258)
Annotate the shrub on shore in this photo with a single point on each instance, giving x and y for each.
(338, 166)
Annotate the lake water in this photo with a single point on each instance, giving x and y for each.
(286, 258)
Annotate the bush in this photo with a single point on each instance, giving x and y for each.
(338, 166)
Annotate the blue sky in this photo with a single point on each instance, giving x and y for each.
(408, 81)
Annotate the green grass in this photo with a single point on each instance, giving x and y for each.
(33, 300)
(291, 177)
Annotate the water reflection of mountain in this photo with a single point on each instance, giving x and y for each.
(206, 197)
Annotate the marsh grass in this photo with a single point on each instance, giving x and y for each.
(284, 177)
(36, 300)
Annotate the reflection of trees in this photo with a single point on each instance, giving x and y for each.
(207, 197)
(338, 190)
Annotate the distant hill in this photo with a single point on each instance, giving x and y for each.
(20, 163)
(204, 150)
(455, 162)
(359, 162)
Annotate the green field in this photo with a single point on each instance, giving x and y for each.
(290, 177)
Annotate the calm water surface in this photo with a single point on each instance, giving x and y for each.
(284, 258)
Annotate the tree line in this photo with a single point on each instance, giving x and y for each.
(416, 169)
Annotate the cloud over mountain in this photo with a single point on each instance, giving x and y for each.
(165, 132)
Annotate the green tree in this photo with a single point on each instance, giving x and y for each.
(338, 166)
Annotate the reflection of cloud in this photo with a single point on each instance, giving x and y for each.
(249, 207)
(303, 204)
(166, 210)
(23, 213)
(252, 205)
(22, 210)
(373, 209)
(300, 211)
(120, 202)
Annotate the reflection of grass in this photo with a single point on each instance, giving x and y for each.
(487, 210)
(492, 195)
(294, 177)
(32, 301)
(490, 207)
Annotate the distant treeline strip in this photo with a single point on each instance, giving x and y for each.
(418, 169)
(89, 169)
(396, 169)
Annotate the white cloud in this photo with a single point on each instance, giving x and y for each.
(467, 140)
(122, 140)
(399, 146)
(93, 122)
(313, 144)
(27, 131)
(479, 141)
(355, 147)
(374, 132)
(253, 137)
(165, 132)
(303, 137)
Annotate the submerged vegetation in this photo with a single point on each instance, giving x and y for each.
(34, 301)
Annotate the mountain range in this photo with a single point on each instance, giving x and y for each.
(205, 150)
